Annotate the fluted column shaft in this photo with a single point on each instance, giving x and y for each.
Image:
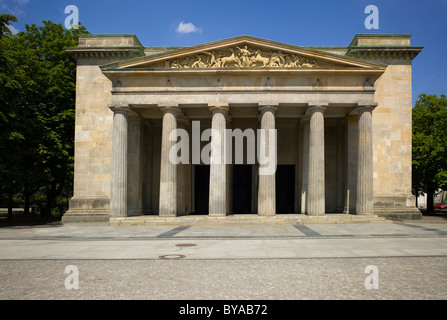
(316, 186)
(364, 204)
(267, 183)
(168, 170)
(305, 170)
(218, 174)
(118, 179)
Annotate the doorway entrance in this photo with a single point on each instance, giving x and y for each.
(201, 189)
(242, 189)
(285, 188)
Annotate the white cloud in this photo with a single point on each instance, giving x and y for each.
(187, 28)
(13, 30)
(14, 7)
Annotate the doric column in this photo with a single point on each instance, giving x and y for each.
(305, 166)
(267, 183)
(229, 171)
(182, 123)
(168, 170)
(364, 203)
(218, 172)
(351, 155)
(134, 165)
(118, 179)
(316, 192)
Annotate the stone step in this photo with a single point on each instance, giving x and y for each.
(246, 219)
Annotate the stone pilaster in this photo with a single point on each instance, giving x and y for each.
(218, 168)
(118, 188)
(365, 194)
(316, 186)
(267, 183)
(168, 170)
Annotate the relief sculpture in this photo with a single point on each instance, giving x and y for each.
(244, 57)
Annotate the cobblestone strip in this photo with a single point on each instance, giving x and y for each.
(307, 231)
(173, 232)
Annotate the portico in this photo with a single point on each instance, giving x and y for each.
(310, 181)
(320, 104)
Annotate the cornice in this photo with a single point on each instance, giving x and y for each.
(407, 53)
(117, 53)
(326, 57)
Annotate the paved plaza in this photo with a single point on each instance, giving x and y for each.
(311, 261)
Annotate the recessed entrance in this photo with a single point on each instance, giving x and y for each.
(201, 189)
(242, 189)
(285, 188)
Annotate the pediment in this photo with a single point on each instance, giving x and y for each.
(243, 53)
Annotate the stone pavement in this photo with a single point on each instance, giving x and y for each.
(312, 261)
(225, 242)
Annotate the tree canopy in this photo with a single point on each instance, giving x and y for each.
(429, 146)
(37, 101)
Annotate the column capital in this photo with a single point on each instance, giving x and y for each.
(222, 107)
(267, 107)
(120, 109)
(183, 121)
(366, 106)
(321, 107)
(304, 120)
(174, 109)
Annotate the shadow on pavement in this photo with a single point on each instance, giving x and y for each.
(22, 220)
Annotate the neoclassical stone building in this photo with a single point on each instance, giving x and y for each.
(342, 117)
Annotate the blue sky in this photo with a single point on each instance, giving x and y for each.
(301, 23)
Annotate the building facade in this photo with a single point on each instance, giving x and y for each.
(342, 118)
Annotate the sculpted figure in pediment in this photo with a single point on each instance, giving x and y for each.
(243, 57)
(309, 63)
(232, 59)
(276, 59)
(292, 61)
(198, 63)
(259, 58)
(175, 64)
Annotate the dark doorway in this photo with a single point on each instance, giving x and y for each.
(201, 189)
(285, 188)
(242, 183)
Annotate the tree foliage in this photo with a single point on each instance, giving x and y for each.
(37, 101)
(5, 20)
(429, 146)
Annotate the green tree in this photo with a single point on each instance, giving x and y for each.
(429, 146)
(5, 20)
(37, 101)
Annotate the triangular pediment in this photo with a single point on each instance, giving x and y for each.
(243, 52)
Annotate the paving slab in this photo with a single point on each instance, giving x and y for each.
(225, 242)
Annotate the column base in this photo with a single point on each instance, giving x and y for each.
(217, 215)
(87, 210)
(167, 214)
(399, 213)
(266, 214)
(399, 206)
(315, 214)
